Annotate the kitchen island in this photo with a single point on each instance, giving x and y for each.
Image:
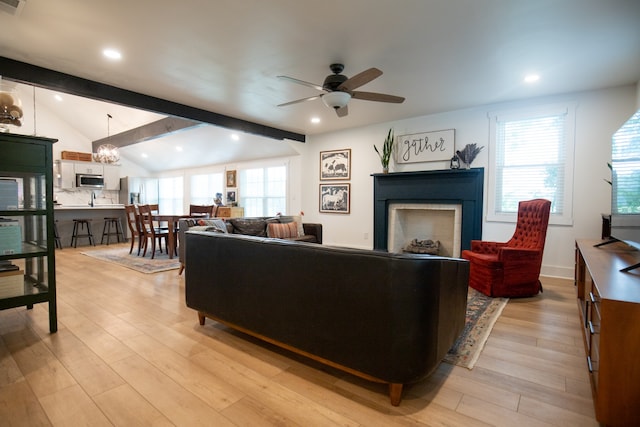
(65, 214)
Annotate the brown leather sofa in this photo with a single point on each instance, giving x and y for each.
(389, 318)
(311, 232)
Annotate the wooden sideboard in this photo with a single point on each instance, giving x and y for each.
(229, 212)
(609, 305)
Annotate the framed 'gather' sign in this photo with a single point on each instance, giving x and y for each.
(425, 147)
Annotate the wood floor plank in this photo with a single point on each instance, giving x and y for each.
(72, 407)
(19, 406)
(123, 406)
(176, 403)
(215, 392)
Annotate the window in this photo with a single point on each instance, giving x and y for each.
(205, 187)
(263, 191)
(531, 157)
(170, 198)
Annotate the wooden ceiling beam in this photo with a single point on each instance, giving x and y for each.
(66, 83)
(157, 129)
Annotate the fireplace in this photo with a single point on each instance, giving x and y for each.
(438, 195)
(435, 222)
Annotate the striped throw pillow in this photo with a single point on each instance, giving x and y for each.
(282, 231)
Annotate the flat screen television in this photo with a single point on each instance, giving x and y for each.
(625, 180)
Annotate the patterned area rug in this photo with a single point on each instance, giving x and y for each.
(120, 255)
(482, 313)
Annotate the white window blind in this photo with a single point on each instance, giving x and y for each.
(263, 191)
(204, 188)
(531, 157)
(625, 165)
(170, 199)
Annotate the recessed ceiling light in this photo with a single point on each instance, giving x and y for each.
(178, 148)
(112, 54)
(144, 155)
(235, 136)
(57, 97)
(315, 120)
(531, 78)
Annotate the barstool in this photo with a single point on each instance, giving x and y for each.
(56, 236)
(106, 229)
(79, 224)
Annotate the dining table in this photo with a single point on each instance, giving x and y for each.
(172, 223)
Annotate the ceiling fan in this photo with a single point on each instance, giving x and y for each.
(339, 89)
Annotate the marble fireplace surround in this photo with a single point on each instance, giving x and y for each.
(463, 187)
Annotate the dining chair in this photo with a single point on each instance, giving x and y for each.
(207, 210)
(133, 222)
(151, 232)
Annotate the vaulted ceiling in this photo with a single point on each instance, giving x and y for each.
(224, 56)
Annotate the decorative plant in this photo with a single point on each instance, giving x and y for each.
(468, 153)
(387, 149)
(611, 169)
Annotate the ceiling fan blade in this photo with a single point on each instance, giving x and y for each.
(379, 97)
(360, 79)
(301, 82)
(342, 112)
(311, 98)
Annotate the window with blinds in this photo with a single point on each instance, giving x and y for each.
(531, 158)
(625, 166)
(204, 188)
(263, 191)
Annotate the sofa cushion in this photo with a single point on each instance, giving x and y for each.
(286, 219)
(282, 231)
(249, 226)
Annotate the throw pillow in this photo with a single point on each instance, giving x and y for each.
(249, 226)
(286, 219)
(282, 231)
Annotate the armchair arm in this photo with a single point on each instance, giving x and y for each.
(518, 254)
(485, 247)
(314, 230)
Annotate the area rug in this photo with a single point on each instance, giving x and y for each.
(482, 313)
(121, 256)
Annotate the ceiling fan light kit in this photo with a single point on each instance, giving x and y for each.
(336, 99)
(339, 89)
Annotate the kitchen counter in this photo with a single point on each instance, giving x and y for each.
(65, 214)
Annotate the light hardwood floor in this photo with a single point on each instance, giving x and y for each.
(129, 352)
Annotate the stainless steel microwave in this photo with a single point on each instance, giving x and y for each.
(89, 181)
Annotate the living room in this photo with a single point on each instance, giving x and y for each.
(106, 317)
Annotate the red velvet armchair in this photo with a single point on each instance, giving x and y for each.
(512, 269)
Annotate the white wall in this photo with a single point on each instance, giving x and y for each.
(598, 115)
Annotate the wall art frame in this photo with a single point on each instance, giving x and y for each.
(231, 178)
(425, 147)
(335, 198)
(232, 197)
(335, 165)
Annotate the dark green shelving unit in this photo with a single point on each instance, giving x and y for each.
(26, 201)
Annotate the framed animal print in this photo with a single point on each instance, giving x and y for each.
(335, 198)
(335, 164)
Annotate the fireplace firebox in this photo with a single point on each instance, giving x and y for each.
(457, 187)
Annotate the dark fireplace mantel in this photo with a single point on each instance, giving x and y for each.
(462, 187)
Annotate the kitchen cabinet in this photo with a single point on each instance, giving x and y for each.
(27, 248)
(111, 177)
(66, 171)
(65, 174)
